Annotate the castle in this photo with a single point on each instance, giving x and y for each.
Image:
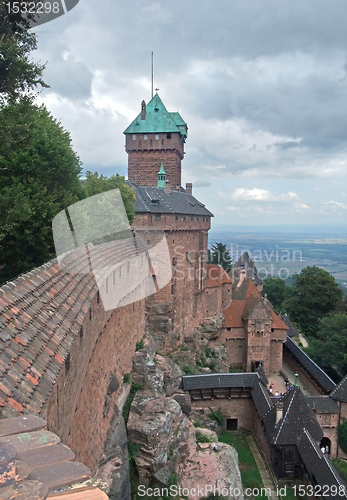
(64, 358)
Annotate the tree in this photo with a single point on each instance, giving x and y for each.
(328, 349)
(95, 184)
(313, 295)
(276, 291)
(39, 177)
(18, 73)
(342, 436)
(219, 254)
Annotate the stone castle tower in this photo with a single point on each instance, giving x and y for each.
(155, 136)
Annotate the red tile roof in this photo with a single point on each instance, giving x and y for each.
(34, 463)
(41, 314)
(216, 276)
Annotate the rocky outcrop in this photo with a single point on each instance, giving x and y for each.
(114, 468)
(158, 429)
(211, 465)
(155, 372)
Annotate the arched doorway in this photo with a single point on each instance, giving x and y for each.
(325, 445)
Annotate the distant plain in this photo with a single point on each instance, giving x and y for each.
(283, 251)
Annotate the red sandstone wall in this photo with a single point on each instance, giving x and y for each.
(276, 353)
(145, 156)
(241, 408)
(186, 237)
(78, 409)
(213, 301)
(260, 435)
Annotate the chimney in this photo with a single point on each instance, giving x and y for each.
(189, 188)
(143, 110)
(242, 277)
(167, 187)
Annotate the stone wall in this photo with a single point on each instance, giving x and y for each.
(241, 408)
(187, 238)
(307, 381)
(81, 405)
(145, 156)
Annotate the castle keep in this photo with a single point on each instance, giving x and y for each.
(65, 358)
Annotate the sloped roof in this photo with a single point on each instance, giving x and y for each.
(319, 465)
(34, 463)
(317, 372)
(291, 332)
(261, 399)
(158, 120)
(277, 323)
(216, 276)
(246, 289)
(296, 416)
(155, 200)
(233, 314)
(322, 404)
(340, 391)
(219, 380)
(245, 262)
(41, 314)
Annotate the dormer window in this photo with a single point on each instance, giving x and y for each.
(155, 201)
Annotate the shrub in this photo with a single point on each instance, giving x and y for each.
(189, 370)
(184, 347)
(202, 438)
(197, 423)
(127, 378)
(342, 436)
(217, 416)
(140, 344)
(212, 364)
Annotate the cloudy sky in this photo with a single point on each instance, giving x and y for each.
(262, 85)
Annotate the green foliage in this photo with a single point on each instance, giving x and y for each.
(329, 347)
(341, 466)
(219, 254)
(39, 178)
(217, 416)
(276, 291)
(18, 73)
(249, 472)
(212, 496)
(96, 184)
(197, 423)
(127, 378)
(135, 386)
(212, 364)
(342, 436)
(202, 438)
(140, 344)
(184, 347)
(189, 370)
(313, 295)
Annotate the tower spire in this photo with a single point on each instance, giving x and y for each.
(161, 176)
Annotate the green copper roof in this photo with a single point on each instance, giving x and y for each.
(158, 120)
(161, 171)
(161, 176)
